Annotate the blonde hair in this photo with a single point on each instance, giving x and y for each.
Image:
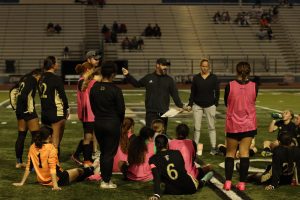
(158, 126)
(88, 76)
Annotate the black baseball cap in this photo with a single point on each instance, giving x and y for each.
(92, 54)
(163, 61)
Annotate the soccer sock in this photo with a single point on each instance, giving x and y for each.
(87, 171)
(79, 149)
(244, 166)
(87, 152)
(207, 176)
(229, 164)
(19, 146)
(33, 135)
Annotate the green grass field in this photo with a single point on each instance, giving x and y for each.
(267, 102)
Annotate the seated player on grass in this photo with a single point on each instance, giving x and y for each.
(284, 125)
(253, 150)
(42, 157)
(285, 166)
(168, 167)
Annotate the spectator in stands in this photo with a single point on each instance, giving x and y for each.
(50, 27)
(125, 43)
(261, 34)
(57, 28)
(113, 37)
(263, 22)
(225, 16)
(104, 29)
(270, 32)
(66, 52)
(123, 28)
(156, 31)
(217, 17)
(140, 42)
(148, 32)
(133, 43)
(115, 27)
(106, 33)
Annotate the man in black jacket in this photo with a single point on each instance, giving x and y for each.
(159, 87)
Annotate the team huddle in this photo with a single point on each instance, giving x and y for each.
(150, 155)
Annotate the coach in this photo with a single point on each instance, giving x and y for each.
(159, 87)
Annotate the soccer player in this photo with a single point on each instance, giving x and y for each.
(140, 150)
(167, 167)
(54, 102)
(42, 156)
(84, 111)
(284, 126)
(22, 97)
(127, 135)
(107, 103)
(241, 126)
(284, 168)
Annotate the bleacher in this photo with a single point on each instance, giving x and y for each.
(24, 37)
(188, 34)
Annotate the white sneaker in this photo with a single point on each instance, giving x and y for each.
(109, 185)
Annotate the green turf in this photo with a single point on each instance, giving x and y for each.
(277, 100)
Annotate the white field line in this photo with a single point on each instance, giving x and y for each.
(4, 102)
(230, 193)
(267, 108)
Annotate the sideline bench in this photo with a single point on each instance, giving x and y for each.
(71, 78)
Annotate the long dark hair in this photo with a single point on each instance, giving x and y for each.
(182, 131)
(161, 142)
(35, 72)
(243, 70)
(49, 62)
(124, 140)
(138, 148)
(42, 135)
(108, 68)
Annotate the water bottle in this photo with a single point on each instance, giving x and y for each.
(276, 115)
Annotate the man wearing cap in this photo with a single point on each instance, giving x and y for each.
(93, 58)
(159, 87)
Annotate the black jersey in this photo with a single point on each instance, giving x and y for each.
(107, 101)
(26, 90)
(285, 162)
(168, 167)
(54, 101)
(289, 128)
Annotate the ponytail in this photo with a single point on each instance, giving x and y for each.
(138, 148)
(243, 70)
(128, 123)
(42, 136)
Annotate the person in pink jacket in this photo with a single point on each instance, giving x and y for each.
(241, 126)
(139, 152)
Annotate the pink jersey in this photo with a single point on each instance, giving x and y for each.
(241, 112)
(143, 171)
(84, 111)
(120, 156)
(188, 153)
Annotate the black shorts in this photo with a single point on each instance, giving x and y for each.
(240, 136)
(49, 120)
(63, 177)
(26, 116)
(88, 127)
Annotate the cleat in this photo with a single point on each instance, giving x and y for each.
(227, 185)
(20, 165)
(241, 186)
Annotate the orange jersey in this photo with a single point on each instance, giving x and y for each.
(44, 161)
